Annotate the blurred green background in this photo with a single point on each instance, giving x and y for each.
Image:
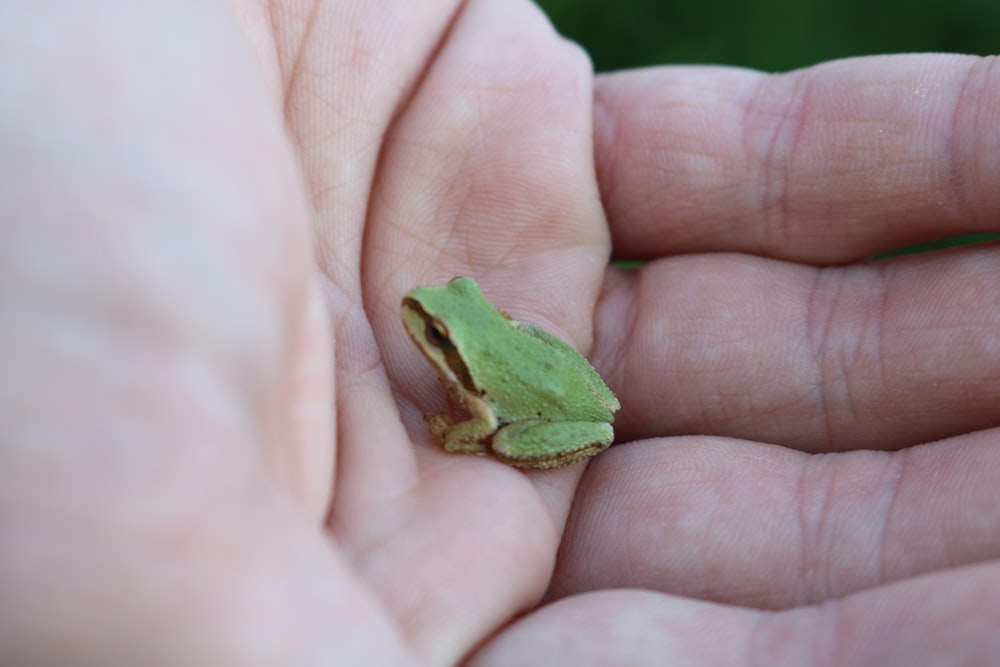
(773, 35)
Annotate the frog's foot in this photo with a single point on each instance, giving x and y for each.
(440, 425)
(543, 444)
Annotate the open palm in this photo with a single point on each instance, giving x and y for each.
(211, 446)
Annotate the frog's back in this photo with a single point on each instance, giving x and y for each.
(543, 377)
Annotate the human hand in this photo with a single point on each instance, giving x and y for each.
(168, 481)
(758, 200)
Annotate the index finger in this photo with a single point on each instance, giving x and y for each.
(824, 165)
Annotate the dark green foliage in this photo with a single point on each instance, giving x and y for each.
(951, 242)
(773, 35)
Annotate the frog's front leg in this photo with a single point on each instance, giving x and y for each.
(466, 437)
(546, 444)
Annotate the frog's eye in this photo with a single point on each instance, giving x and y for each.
(436, 334)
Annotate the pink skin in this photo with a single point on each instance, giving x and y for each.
(212, 453)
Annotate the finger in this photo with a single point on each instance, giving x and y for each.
(825, 165)
(763, 526)
(881, 355)
(489, 173)
(950, 618)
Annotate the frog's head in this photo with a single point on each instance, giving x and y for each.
(439, 318)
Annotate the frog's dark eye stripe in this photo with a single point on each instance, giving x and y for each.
(436, 334)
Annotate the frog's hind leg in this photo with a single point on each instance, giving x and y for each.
(544, 444)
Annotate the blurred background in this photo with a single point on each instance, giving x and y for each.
(776, 35)
(773, 35)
